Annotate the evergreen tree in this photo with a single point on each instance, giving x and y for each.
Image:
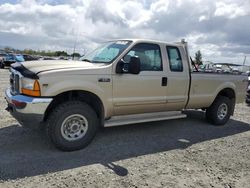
(198, 58)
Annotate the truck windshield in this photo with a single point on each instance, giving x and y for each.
(107, 52)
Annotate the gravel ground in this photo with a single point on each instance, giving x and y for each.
(176, 153)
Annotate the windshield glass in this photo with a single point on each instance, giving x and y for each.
(107, 52)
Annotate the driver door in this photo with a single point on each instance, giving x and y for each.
(143, 92)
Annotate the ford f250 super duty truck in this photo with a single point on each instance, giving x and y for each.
(121, 82)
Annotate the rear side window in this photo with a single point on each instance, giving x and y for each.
(174, 57)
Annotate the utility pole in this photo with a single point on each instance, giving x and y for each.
(74, 50)
(244, 62)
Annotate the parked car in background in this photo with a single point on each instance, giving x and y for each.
(8, 58)
(2, 59)
(28, 57)
(207, 68)
(19, 58)
(48, 58)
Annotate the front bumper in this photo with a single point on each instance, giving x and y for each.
(26, 109)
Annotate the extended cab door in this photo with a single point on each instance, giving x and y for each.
(143, 92)
(178, 77)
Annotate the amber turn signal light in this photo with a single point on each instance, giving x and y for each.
(35, 92)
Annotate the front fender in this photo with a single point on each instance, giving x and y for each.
(101, 90)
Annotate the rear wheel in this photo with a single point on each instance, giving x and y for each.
(72, 125)
(220, 111)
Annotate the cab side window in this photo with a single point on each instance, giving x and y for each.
(174, 57)
(149, 54)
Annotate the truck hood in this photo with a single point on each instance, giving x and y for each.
(48, 65)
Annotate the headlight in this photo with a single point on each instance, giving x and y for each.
(30, 87)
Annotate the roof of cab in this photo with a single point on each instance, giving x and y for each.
(152, 41)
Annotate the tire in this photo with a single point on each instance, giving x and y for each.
(220, 111)
(72, 125)
(1, 65)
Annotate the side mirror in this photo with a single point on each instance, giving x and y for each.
(132, 67)
(135, 65)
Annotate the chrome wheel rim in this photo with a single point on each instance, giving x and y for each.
(222, 111)
(74, 127)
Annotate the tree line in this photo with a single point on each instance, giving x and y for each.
(41, 52)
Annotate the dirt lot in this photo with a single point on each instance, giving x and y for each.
(177, 153)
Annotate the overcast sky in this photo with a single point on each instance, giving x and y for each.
(220, 29)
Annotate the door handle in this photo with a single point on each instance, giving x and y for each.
(164, 81)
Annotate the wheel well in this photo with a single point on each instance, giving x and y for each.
(227, 92)
(91, 99)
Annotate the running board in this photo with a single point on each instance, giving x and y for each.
(142, 118)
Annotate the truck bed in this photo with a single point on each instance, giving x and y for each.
(205, 87)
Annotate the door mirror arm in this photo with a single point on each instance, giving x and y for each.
(119, 67)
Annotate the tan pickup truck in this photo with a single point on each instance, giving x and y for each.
(121, 82)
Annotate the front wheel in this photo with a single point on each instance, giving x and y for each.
(220, 111)
(72, 125)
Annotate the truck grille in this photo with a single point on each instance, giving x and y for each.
(14, 83)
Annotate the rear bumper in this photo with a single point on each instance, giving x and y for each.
(26, 109)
